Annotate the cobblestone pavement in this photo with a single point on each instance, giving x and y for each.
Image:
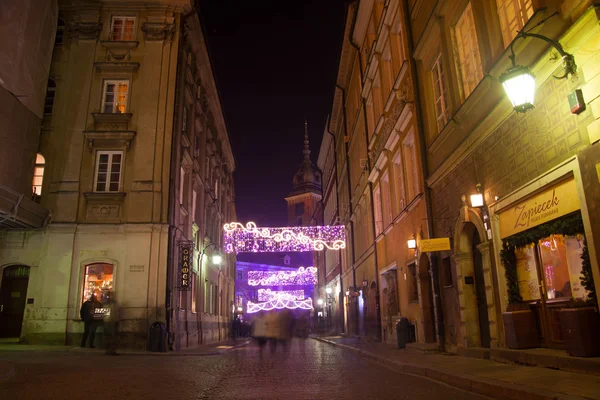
(308, 370)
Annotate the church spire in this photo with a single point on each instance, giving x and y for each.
(306, 149)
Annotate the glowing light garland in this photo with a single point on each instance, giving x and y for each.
(250, 238)
(279, 304)
(302, 276)
(268, 295)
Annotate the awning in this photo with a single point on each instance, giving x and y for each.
(20, 212)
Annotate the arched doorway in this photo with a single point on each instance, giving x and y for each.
(13, 297)
(426, 300)
(474, 281)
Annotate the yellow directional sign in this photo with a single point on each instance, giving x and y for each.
(438, 244)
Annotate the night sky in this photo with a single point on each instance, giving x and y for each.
(275, 63)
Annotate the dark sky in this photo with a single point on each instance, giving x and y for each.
(275, 62)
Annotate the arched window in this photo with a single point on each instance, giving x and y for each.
(50, 93)
(38, 175)
(60, 32)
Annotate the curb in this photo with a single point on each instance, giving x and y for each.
(486, 387)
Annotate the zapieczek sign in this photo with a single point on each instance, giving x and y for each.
(186, 250)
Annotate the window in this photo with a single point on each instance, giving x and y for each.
(217, 188)
(207, 168)
(38, 174)
(60, 32)
(108, 171)
(184, 120)
(299, 208)
(122, 28)
(182, 184)
(183, 299)
(378, 213)
(513, 14)
(114, 99)
(468, 58)
(439, 91)
(50, 93)
(194, 198)
(194, 291)
(409, 154)
(396, 44)
(386, 200)
(446, 272)
(413, 289)
(98, 280)
(206, 296)
(399, 182)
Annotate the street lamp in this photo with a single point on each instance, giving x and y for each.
(477, 198)
(519, 82)
(216, 259)
(320, 302)
(328, 290)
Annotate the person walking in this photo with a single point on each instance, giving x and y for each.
(89, 323)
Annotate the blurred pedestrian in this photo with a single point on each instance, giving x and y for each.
(90, 324)
(111, 327)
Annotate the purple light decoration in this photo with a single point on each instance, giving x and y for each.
(303, 276)
(279, 304)
(239, 238)
(268, 295)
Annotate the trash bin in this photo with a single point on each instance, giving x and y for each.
(157, 337)
(402, 332)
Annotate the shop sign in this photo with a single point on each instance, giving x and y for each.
(553, 203)
(437, 244)
(186, 250)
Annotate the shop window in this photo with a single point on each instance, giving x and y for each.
(114, 98)
(413, 290)
(513, 14)
(38, 175)
(122, 28)
(561, 266)
(378, 211)
(446, 272)
(50, 94)
(60, 32)
(440, 95)
(108, 171)
(194, 291)
(468, 59)
(98, 280)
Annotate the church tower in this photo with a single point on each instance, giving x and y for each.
(306, 193)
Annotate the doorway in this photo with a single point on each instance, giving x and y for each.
(482, 308)
(13, 297)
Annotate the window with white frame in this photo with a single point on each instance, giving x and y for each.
(378, 211)
(114, 97)
(409, 153)
(467, 54)
(38, 174)
(108, 171)
(439, 92)
(513, 14)
(122, 28)
(399, 181)
(386, 199)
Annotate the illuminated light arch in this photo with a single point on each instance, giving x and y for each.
(250, 238)
(268, 294)
(279, 304)
(301, 276)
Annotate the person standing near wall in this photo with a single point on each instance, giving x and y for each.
(89, 323)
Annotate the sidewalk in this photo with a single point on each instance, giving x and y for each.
(489, 378)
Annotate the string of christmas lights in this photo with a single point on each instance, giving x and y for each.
(302, 276)
(279, 304)
(268, 295)
(250, 238)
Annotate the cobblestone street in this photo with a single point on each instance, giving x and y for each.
(310, 370)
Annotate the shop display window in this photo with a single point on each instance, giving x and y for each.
(527, 273)
(561, 266)
(98, 280)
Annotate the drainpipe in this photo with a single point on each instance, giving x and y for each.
(434, 271)
(370, 184)
(337, 204)
(346, 150)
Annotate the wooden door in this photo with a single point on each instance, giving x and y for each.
(13, 296)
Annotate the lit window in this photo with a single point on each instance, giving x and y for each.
(194, 291)
(386, 200)
(440, 96)
(108, 171)
(409, 154)
(513, 14)
(399, 182)
(378, 214)
(38, 174)
(114, 99)
(50, 93)
(468, 58)
(60, 32)
(122, 28)
(414, 290)
(397, 45)
(98, 280)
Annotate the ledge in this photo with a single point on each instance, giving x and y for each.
(111, 118)
(119, 138)
(117, 66)
(115, 197)
(119, 44)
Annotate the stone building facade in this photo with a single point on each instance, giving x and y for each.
(137, 167)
